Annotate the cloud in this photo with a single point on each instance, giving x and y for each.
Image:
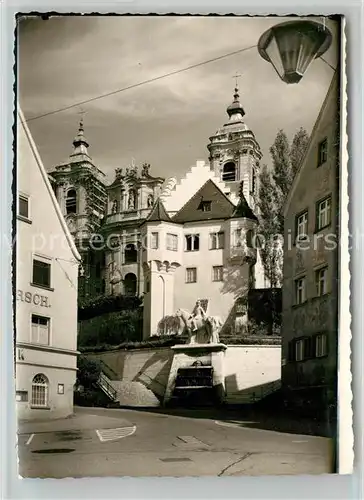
(167, 122)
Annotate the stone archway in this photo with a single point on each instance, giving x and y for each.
(130, 285)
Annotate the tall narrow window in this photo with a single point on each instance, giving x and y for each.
(40, 330)
(300, 286)
(191, 275)
(253, 181)
(301, 225)
(229, 172)
(321, 345)
(23, 206)
(321, 281)
(217, 273)
(300, 350)
(154, 243)
(71, 202)
(40, 386)
(252, 276)
(322, 153)
(238, 237)
(323, 213)
(217, 240)
(172, 242)
(41, 273)
(192, 242)
(250, 238)
(131, 254)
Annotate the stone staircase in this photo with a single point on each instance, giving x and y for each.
(127, 393)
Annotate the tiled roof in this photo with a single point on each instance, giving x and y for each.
(221, 206)
(158, 213)
(243, 210)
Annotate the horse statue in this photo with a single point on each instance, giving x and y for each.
(202, 329)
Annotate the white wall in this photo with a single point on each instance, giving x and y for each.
(247, 369)
(43, 235)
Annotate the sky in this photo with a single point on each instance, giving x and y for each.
(167, 123)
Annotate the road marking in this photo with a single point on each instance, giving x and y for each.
(114, 434)
(29, 440)
(191, 440)
(300, 441)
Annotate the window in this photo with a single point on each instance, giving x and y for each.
(249, 238)
(40, 391)
(41, 273)
(192, 242)
(40, 330)
(172, 242)
(21, 396)
(322, 152)
(217, 240)
(253, 181)
(300, 285)
(23, 206)
(217, 273)
(154, 241)
(205, 206)
(60, 389)
(301, 225)
(229, 172)
(321, 345)
(130, 285)
(252, 276)
(323, 213)
(321, 281)
(131, 254)
(300, 350)
(98, 270)
(238, 237)
(71, 202)
(191, 275)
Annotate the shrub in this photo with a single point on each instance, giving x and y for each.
(113, 328)
(88, 371)
(103, 304)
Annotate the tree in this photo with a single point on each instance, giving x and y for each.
(274, 187)
(88, 371)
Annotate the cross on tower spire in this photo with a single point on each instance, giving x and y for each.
(236, 76)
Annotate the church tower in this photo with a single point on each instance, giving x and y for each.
(80, 190)
(235, 153)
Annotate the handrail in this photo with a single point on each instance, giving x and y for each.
(108, 368)
(103, 382)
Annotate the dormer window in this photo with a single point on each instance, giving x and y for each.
(206, 206)
(229, 172)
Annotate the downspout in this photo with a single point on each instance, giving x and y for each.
(164, 302)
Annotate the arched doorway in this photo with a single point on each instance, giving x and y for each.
(130, 285)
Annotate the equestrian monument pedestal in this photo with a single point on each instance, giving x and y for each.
(197, 375)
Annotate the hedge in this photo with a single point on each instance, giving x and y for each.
(104, 304)
(155, 342)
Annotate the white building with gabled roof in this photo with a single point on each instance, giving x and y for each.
(47, 263)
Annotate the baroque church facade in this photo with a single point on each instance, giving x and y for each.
(170, 241)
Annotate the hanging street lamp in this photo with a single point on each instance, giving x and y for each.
(291, 47)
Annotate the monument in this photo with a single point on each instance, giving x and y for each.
(197, 372)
